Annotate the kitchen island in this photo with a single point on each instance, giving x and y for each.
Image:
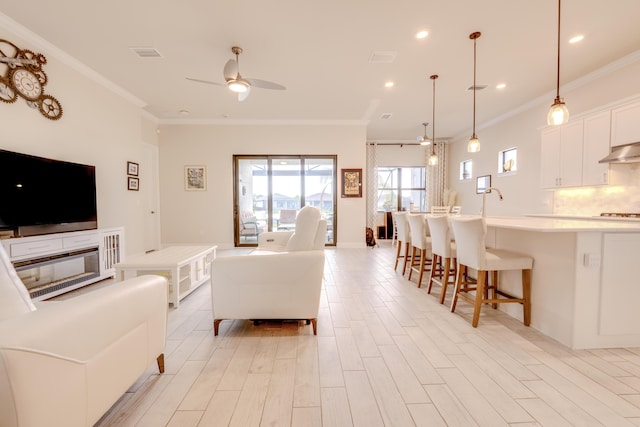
(584, 292)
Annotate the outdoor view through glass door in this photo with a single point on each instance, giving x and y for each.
(270, 190)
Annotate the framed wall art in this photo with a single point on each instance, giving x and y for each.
(195, 178)
(351, 182)
(132, 168)
(133, 184)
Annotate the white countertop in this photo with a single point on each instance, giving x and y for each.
(557, 224)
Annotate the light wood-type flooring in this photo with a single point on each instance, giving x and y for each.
(386, 354)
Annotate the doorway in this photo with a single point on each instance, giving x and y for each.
(270, 190)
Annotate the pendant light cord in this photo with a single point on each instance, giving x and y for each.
(433, 118)
(474, 86)
(558, 73)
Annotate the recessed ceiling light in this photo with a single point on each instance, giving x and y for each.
(501, 85)
(576, 39)
(422, 34)
(388, 84)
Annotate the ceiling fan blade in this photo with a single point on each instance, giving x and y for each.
(230, 70)
(265, 84)
(205, 81)
(244, 95)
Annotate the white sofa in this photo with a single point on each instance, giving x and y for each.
(282, 279)
(65, 363)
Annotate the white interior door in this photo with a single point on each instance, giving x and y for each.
(149, 176)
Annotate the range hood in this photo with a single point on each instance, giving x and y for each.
(624, 154)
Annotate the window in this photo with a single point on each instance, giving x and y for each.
(507, 160)
(400, 188)
(465, 169)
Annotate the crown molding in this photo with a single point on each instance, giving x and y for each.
(68, 60)
(262, 122)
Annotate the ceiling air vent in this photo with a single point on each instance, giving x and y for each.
(146, 52)
(385, 116)
(383, 57)
(477, 87)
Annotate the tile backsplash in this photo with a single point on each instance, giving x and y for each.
(621, 195)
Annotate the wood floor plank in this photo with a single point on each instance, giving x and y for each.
(543, 413)
(365, 342)
(348, 350)
(407, 383)
(308, 417)
(392, 407)
(205, 385)
(220, 409)
(364, 409)
(185, 419)
(426, 415)
(429, 348)
(307, 380)
(420, 365)
(329, 363)
(251, 401)
(238, 368)
(561, 404)
(474, 400)
(279, 401)
(449, 407)
(335, 407)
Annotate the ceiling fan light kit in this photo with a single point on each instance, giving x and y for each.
(558, 113)
(474, 143)
(235, 82)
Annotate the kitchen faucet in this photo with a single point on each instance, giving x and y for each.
(484, 197)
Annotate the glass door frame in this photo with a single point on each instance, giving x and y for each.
(269, 160)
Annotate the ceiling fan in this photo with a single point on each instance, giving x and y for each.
(235, 82)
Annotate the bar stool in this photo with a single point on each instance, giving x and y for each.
(404, 239)
(444, 254)
(471, 252)
(420, 243)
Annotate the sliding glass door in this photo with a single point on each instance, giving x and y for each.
(270, 190)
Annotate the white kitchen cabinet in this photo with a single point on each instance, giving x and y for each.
(597, 134)
(561, 156)
(625, 124)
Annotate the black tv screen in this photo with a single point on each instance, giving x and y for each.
(41, 196)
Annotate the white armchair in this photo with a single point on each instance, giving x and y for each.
(282, 279)
(67, 362)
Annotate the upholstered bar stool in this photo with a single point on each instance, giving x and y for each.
(444, 254)
(420, 245)
(471, 253)
(404, 239)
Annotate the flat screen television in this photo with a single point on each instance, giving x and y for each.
(43, 196)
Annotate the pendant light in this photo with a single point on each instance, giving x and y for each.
(558, 113)
(474, 142)
(433, 158)
(425, 139)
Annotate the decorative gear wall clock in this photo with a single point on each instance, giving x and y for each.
(21, 74)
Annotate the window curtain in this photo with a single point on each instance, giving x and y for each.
(372, 185)
(436, 176)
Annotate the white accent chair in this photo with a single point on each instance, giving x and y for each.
(282, 279)
(471, 253)
(67, 362)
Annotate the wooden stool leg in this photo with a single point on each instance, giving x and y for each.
(445, 278)
(423, 255)
(494, 288)
(398, 249)
(459, 275)
(432, 273)
(482, 279)
(406, 258)
(412, 263)
(526, 295)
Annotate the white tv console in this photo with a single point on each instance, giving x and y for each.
(53, 264)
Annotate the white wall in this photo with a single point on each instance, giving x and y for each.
(522, 191)
(207, 216)
(97, 127)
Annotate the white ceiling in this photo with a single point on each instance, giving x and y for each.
(320, 51)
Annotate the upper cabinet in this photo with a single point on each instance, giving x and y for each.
(570, 153)
(625, 124)
(597, 129)
(561, 156)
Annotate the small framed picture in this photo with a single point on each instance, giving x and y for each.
(195, 178)
(351, 182)
(482, 183)
(133, 184)
(132, 168)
